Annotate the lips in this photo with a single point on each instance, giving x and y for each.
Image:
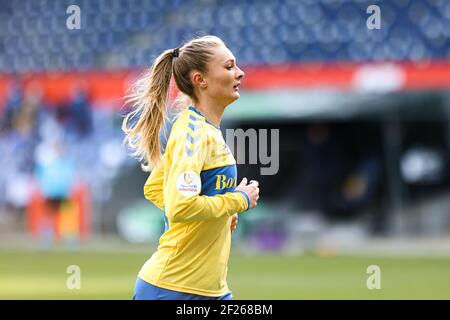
(236, 87)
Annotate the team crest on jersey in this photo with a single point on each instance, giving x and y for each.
(189, 183)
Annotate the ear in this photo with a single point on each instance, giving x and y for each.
(198, 80)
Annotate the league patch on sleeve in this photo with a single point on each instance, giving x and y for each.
(189, 183)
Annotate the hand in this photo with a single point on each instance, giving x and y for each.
(251, 189)
(234, 222)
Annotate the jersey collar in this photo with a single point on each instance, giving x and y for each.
(192, 108)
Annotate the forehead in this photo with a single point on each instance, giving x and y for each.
(221, 54)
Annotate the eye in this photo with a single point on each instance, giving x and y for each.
(229, 68)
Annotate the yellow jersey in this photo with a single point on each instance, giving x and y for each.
(195, 187)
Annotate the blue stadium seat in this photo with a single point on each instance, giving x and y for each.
(291, 30)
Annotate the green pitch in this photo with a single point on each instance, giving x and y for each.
(107, 275)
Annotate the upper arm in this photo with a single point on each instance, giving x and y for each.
(186, 153)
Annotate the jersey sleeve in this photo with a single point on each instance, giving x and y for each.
(186, 153)
(153, 188)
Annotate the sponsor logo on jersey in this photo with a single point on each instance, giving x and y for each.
(222, 182)
(189, 183)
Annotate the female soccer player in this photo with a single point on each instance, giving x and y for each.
(194, 182)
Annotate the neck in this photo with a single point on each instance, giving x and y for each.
(212, 111)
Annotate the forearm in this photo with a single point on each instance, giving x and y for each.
(199, 208)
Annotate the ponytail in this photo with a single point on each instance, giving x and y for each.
(149, 99)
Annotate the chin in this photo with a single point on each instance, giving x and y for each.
(232, 98)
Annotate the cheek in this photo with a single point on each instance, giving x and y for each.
(221, 84)
(228, 82)
(223, 79)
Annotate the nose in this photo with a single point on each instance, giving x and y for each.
(241, 73)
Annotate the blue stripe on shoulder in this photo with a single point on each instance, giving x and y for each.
(194, 126)
(191, 152)
(192, 139)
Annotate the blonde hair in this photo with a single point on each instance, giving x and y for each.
(150, 93)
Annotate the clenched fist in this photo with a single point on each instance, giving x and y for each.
(251, 189)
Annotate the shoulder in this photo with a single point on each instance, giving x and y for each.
(188, 133)
(188, 126)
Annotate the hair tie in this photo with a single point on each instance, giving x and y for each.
(176, 53)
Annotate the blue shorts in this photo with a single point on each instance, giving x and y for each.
(146, 291)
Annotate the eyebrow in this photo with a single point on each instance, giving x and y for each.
(229, 60)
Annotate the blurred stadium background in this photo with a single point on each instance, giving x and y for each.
(364, 150)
